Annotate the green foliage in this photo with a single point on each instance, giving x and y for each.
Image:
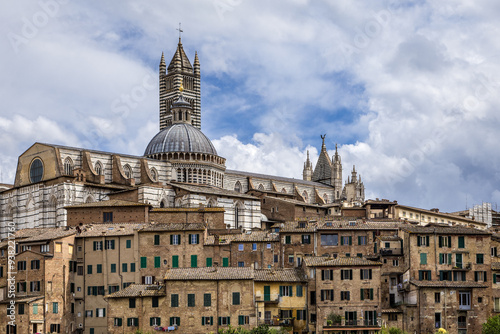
(392, 330)
(492, 326)
(262, 329)
(334, 318)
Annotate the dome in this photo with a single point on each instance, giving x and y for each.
(180, 137)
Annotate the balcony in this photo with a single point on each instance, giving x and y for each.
(391, 251)
(346, 324)
(268, 298)
(276, 321)
(462, 266)
(464, 307)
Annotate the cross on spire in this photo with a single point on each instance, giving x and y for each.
(180, 31)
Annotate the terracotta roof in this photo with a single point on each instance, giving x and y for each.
(209, 273)
(293, 227)
(359, 225)
(97, 230)
(448, 284)
(41, 234)
(322, 261)
(391, 310)
(445, 229)
(201, 209)
(107, 204)
(255, 236)
(279, 275)
(389, 238)
(495, 266)
(443, 214)
(173, 227)
(139, 290)
(22, 299)
(205, 189)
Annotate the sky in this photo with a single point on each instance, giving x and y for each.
(409, 90)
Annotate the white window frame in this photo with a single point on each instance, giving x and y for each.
(175, 239)
(148, 279)
(99, 313)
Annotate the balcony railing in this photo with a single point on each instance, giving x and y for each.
(464, 307)
(357, 323)
(286, 322)
(391, 251)
(268, 298)
(462, 325)
(462, 266)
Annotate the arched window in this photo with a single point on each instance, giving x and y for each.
(98, 168)
(154, 174)
(68, 166)
(261, 187)
(237, 187)
(162, 204)
(238, 214)
(283, 191)
(89, 199)
(127, 170)
(180, 115)
(325, 197)
(304, 194)
(36, 170)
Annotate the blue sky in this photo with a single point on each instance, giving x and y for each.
(409, 92)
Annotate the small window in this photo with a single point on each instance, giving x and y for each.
(254, 247)
(58, 247)
(107, 217)
(240, 247)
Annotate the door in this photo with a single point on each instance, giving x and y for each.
(267, 293)
(267, 317)
(392, 299)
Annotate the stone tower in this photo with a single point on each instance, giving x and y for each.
(323, 170)
(337, 173)
(354, 189)
(308, 169)
(179, 71)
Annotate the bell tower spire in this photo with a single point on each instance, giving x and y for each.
(179, 71)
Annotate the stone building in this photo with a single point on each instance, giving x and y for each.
(346, 290)
(447, 278)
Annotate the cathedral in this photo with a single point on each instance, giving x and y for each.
(180, 168)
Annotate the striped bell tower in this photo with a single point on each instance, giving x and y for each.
(179, 72)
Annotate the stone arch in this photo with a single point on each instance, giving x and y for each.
(261, 187)
(99, 169)
(163, 203)
(154, 174)
(305, 195)
(239, 209)
(89, 199)
(237, 186)
(283, 190)
(212, 203)
(178, 202)
(127, 170)
(52, 211)
(68, 166)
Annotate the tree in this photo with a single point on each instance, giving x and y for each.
(492, 326)
(393, 330)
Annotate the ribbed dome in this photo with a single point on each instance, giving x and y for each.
(180, 137)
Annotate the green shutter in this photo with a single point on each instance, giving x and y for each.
(157, 262)
(207, 300)
(144, 262)
(241, 320)
(209, 261)
(132, 267)
(494, 278)
(359, 240)
(449, 241)
(440, 242)
(350, 240)
(124, 267)
(113, 267)
(189, 240)
(194, 261)
(423, 258)
(341, 241)
(362, 295)
(427, 240)
(290, 289)
(175, 261)
(281, 291)
(299, 291)
(418, 240)
(225, 262)
(441, 256)
(236, 298)
(128, 245)
(461, 242)
(288, 239)
(420, 275)
(157, 239)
